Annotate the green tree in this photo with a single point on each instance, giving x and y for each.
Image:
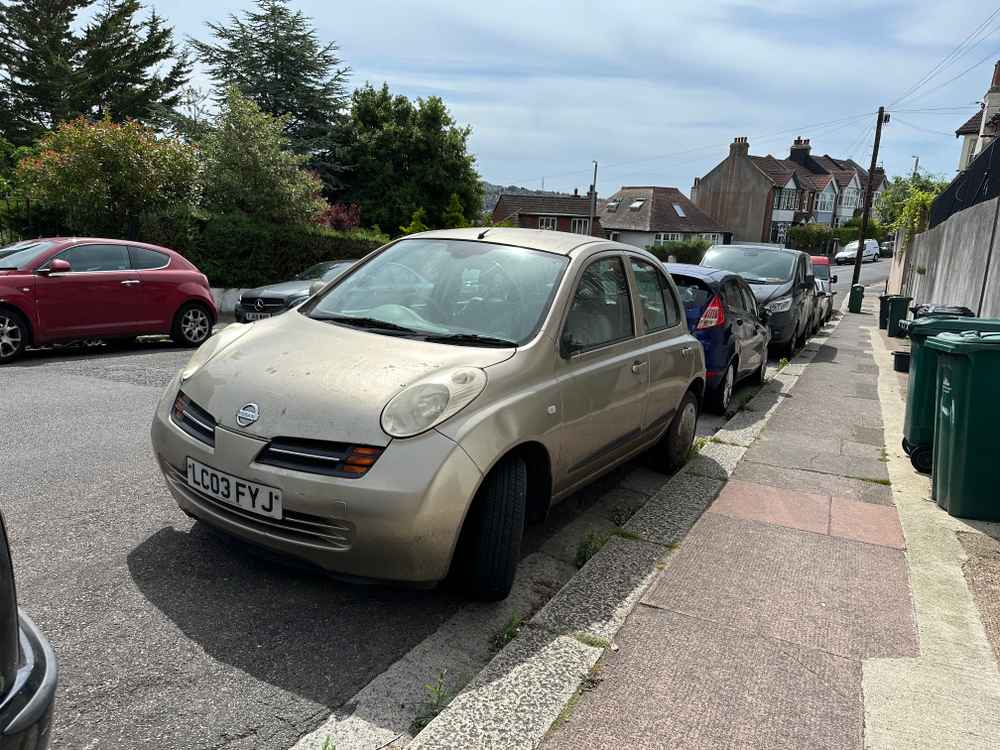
(403, 155)
(103, 178)
(274, 57)
(814, 239)
(454, 216)
(249, 167)
(895, 196)
(125, 69)
(37, 78)
(416, 223)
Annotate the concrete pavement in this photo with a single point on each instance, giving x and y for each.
(819, 602)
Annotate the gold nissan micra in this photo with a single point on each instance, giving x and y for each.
(410, 417)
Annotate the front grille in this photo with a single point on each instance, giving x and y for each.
(268, 304)
(319, 457)
(194, 420)
(334, 533)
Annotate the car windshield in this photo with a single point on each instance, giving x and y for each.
(821, 271)
(755, 264)
(23, 255)
(452, 291)
(327, 271)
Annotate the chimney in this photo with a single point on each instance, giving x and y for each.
(988, 129)
(799, 152)
(576, 192)
(996, 76)
(694, 190)
(739, 147)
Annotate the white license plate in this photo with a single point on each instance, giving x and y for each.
(249, 496)
(257, 316)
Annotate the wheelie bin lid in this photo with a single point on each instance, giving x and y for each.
(965, 342)
(931, 310)
(924, 327)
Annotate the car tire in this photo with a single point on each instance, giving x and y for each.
(672, 452)
(192, 325)
(721, 396)
(493, 531)
(13, 335)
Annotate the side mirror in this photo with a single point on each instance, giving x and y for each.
(57, 266)
(316, 287)
(568, 346)
(833, 279)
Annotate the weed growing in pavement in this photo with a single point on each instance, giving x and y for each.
(619, 515)
(438, 697)
(328, 744)
(782, 363)
(509, 632)
(592, 640)
(883, 455)
(696, 446)
(589, 546)
(626, 534)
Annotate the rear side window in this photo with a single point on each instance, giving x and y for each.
(92, 258)
(651, 300)
(732, 297)
(144, 259)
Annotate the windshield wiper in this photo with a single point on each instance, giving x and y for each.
(468, 339)
(369, 323)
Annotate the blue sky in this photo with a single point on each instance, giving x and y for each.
(655, 91)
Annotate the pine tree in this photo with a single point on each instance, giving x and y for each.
(121, 57)
(454, 217)
(273, 56)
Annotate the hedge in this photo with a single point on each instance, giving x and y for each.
(684, 251)
(235, 250)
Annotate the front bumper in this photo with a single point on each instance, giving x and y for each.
(398, 522)
(782, 327)
(250, 313)
(26, 711)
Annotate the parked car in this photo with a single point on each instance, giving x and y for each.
(60, 289)
(27, 668)
(850, 252)
(14, 247)
(723, 314)
(382, 430)
(887, 248)
(265, 301)
(782, 281)
(824, 288)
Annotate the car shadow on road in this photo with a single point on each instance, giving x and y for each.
(98, 351)
(296, 629)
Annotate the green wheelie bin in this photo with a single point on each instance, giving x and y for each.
(857, 296)
(968, 413)
(898, 309)
(918, 425)
(883, 310)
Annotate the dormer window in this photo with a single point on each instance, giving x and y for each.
(636, 204)
(613, 205)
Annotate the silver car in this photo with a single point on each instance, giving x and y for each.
(422, 407)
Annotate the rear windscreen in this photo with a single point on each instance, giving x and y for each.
(694, 292)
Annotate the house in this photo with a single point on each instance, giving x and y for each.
(564, 213)
(979, 130)
(650, 216)
(761, 197)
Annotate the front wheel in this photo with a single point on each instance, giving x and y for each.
(192, 325)
(492, 537)
(13, 335)
(721, 396)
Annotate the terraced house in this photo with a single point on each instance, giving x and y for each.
(761, 197)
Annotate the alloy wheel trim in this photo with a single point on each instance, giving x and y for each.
(195, 325)
(10, 337)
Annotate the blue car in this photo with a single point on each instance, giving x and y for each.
(723, 314)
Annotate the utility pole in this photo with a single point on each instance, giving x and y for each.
(868, 197)
(916, 163)
(593, 201)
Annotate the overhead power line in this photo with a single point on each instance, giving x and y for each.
(901, 121)
(991, 55)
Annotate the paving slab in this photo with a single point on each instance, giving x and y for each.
(864, 522)
(717, 460)
(706, 686)
(811, 481)
(799, 456)
(515, 699)
(670, 513)
(598, 598)
(836, 595)
(760, 502)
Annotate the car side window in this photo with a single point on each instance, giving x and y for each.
(601, 312)
(732, 297)
(670, 302)
(800, 272)
(649, 286)
(749, 301)
(144, 259)
(91, 258)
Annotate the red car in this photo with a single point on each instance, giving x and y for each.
(59, 288)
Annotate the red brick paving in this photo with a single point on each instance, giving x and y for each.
(807, 511)
(864, 522)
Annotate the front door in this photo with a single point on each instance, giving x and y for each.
(603, 382)
(99, 295)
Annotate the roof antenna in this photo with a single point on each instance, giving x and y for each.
(482, 235)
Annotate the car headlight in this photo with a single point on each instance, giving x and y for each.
(213, 346)
(428, 402)
(779, 305)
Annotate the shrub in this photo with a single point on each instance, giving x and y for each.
(341, 216)
(684, 251)
(814, 239)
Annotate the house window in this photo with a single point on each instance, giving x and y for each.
(787, 198)
(548, 222)
(680, 210)
(636, 204)
(824, 201)
(613, 236)
(850, 199)
(580, 226)
(661, 237)
(714, 237)
(613, 205)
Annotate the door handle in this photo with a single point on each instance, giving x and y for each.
(637, 365)
(131, 282)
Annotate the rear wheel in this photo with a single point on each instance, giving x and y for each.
(492, 538)
(13, 335)
(671, 453)
(192, 325)
(721, 396)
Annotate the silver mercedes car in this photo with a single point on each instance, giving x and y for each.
(410, 417)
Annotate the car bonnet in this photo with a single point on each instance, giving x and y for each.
(320, 381)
